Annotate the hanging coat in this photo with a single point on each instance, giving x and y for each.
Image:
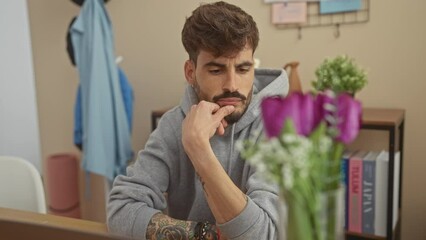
(106, 136)
(126, 92)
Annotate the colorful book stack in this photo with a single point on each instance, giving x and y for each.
(365, 176)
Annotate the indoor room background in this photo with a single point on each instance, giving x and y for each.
(390, 46)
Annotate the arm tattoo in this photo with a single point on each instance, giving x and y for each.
(164, 227)
(202, 184)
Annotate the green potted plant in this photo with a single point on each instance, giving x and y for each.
(339, 74)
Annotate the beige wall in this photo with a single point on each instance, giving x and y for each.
(391, 46)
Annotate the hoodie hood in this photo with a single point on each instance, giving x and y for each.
(267, 82)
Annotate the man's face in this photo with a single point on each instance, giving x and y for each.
(224, 80)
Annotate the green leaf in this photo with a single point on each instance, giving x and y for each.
(288, 127)
(318, 132)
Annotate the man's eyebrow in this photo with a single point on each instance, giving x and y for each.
(216, 64)
(245, 64)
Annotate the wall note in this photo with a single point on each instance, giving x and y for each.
(337, 6)
(287, 13)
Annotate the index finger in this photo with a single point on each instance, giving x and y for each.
(212, 107)
(224, 111)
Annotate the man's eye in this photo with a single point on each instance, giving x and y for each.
(214, 71)
(243, 70)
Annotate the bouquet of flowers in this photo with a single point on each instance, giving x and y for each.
(302, 151)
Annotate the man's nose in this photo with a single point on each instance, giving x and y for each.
(230, 83)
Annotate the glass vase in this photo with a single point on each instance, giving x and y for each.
(317, 218)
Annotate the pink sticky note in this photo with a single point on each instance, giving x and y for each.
(289, 12)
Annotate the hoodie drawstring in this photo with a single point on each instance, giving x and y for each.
(232, 148)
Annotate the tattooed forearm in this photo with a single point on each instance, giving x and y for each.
(164, 227)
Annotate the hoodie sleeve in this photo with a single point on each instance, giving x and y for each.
(259, 219)
(135, 198)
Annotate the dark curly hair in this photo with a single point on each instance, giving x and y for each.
(219, 28)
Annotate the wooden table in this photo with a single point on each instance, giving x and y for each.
(17, 224)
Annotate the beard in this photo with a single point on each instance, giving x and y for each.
(239, 111)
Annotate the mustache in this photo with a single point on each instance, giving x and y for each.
(229, 95)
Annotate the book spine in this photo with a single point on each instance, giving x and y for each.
(345, 182)
(381, 196)
(396, 189)
(368, 193)
(382, 181)
(355, 195)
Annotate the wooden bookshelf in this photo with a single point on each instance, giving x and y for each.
(392, 121)
(382, 116)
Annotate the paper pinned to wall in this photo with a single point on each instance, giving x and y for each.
(336, 6)
(286, 13)
(282, 1)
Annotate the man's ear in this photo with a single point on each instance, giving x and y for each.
(189, 69)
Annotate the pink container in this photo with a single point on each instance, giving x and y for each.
(62, 185)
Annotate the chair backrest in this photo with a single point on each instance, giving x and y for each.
(20, 185)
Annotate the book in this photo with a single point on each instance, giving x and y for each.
(382, 167)
(368, 192)
(345, 181)
(355, 191)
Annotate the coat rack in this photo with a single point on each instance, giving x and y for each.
(315, 19)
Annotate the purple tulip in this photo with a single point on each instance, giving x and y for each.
(306, 112)
(296, 106)
(342, 112)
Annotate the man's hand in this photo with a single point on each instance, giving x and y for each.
(202, 122)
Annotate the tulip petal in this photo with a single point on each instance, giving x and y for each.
(272, 122)
(291, 109)
(349, 112)
(306, 114)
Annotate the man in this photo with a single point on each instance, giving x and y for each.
(212, 193)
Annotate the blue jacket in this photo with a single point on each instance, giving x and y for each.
(106, 137)
(126, 92)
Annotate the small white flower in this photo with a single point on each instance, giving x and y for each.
(289, 138)
(287, 173)
(330, 107)
(325, 144)
(239, 145)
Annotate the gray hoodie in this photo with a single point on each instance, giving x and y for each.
(163, 167)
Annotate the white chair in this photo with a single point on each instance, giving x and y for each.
(20, 185)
